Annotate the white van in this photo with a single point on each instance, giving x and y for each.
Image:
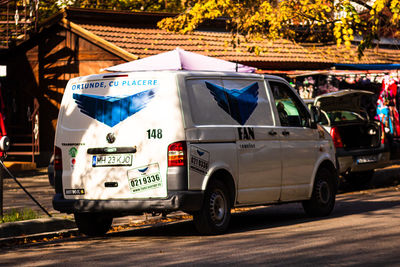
(200, 142)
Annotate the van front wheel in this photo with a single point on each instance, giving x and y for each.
(215, 214)
(93, 224)
(323, 196)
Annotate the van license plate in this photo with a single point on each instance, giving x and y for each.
(112, 160)
(367, 159)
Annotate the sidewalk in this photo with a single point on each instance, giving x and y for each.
(37, 184)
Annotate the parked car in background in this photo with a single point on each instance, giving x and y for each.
(360, 140)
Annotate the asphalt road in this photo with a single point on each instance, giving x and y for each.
(363, 230)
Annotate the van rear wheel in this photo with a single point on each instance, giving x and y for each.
(215, 214)
(323, 196)
(93, 224)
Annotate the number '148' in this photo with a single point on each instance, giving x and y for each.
(154, 133)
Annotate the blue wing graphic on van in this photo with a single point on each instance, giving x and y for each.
(239, 103)
(111, 110)
(144, 169)
(201, 153)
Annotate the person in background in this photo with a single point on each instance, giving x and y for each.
(386, 106)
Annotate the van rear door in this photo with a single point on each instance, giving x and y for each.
(114, 131)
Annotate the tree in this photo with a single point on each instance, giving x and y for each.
(50, 7)
(38, 11)
(132, 5)
(339, 21)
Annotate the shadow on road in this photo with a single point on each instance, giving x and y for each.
(271, 217)
(291, 214)
(382, 178)
(266, 218)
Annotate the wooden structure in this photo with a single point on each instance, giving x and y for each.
(18, 19)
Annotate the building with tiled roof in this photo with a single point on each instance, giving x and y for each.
(79, 42)
(142, 39)
(129, 37)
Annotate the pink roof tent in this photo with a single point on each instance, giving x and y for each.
(179, 59)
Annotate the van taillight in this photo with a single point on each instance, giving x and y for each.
(177, 154)
(337, 140)
(57, 159)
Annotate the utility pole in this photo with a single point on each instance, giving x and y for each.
(4, 146)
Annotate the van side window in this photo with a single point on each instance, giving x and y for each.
(291, 112)
(229, 101)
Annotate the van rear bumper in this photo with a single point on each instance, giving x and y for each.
(176, 200)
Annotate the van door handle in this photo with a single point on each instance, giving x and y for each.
(285, 133)
(273, 133)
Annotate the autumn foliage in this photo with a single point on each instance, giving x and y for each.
(317, 21)
(339, 21)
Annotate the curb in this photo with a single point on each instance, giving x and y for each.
(35, 226)
(10, 242)
(50, 227)
(19, 166)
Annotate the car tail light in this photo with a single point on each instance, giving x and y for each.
(177, 154)
(383, 134)
(57, 159)
(337, 140)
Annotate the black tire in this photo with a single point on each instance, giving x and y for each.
(93, 224)
(359, 179)
(215, 214)
(323, 196)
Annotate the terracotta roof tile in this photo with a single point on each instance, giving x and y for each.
(375, 56)
(147, 42)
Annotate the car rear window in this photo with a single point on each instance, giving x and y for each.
(343, 116)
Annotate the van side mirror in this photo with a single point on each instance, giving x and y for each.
(315, 116)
